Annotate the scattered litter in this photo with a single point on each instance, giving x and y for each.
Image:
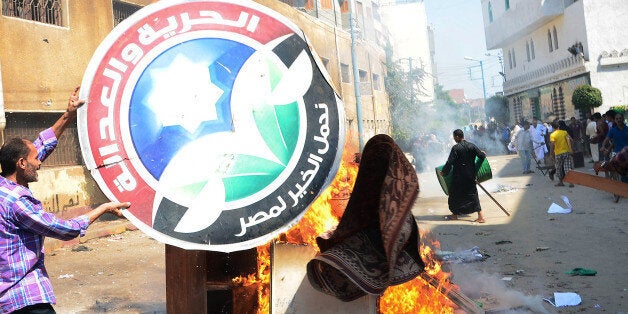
(529, 184)
(504, 189)
(80, 248)
(597, 306)
(115, 238)
(467, 256)
(542, 248)
(503, 242)
(507, 278)
(66, 276)
(581, 272)
(557, 209)
(520, 271)
(561, 299)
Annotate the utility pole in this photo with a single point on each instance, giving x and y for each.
(356, 77)
(483, 81)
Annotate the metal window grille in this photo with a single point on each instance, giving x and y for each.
(28, 126)
(44, 11)
(122, 10)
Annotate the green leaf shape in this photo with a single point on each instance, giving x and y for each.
(189, 191)
(278, 123)
(248, 175)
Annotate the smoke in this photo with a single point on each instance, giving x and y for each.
(491, 290)
(431, 138)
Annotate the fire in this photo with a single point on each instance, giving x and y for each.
(325, 212)
(319, 218)
(424, 294)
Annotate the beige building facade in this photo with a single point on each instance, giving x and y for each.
(45, 49)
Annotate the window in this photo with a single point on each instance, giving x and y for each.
(528, 50)
(555, 39)
(532, 48)
(122, 10)
(514, 59)
(28, 125)
(363, 76)
(344, 73)
(509, 60)
(490, 12)
(44, 11)
(376, 84)
(325, 63)
(507, 4)
(549, 40)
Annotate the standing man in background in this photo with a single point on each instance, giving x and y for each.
(524, 147)
(538, 132)
(560, 152)
(591, 132)
(463, 194)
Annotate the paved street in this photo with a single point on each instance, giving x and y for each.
(527, 253)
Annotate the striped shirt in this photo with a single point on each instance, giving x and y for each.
(23, 226)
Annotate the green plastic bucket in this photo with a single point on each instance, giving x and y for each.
(484, 173)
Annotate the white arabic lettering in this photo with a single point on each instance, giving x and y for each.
(262, 216)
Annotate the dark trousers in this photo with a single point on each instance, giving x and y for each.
(42, 308)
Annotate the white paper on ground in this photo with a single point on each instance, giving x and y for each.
(566, 299)
(557, 209)
(566, 200)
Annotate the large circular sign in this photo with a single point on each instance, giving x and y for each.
(214, 118)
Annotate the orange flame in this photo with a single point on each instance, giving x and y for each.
(415, 296)
(322, 216)
(420, 295)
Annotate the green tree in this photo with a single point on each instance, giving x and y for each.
(405, 113)
(497, 107)
(586, 97)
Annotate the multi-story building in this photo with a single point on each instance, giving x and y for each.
(411, 40)
(550, 47)
(46, 45)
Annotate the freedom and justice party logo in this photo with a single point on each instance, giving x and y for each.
(214, 118)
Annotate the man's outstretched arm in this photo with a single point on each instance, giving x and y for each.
(69, 115)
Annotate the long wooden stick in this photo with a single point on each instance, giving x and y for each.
(494, 200)
(461, 300)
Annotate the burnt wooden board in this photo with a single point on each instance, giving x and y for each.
(596, 182)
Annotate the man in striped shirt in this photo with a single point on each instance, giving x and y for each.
(24, 283)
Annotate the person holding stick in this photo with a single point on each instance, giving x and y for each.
(463, 194)
(24, 283)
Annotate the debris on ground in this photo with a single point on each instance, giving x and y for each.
(581, 272)
(557, 209)
(467, 256)
(501, 188)
(80, 248)
(561, 299)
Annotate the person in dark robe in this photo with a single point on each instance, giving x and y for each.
(463, 194)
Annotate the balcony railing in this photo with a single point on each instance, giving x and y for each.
(571, 65)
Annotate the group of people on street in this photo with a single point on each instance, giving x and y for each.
(607, 135)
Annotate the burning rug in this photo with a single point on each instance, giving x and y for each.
(376, 243)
